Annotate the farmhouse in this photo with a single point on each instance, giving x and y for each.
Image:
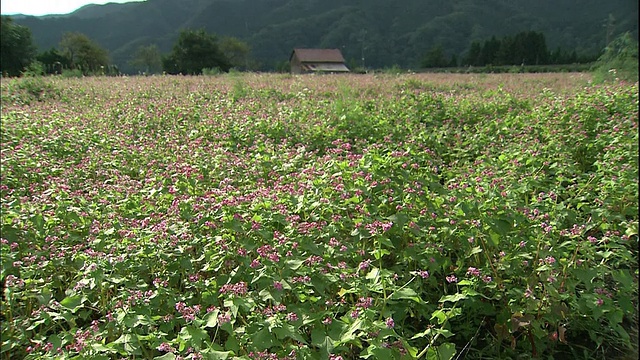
(304, 61)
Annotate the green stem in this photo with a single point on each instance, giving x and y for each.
(424, 351)
(384, 288)
(486, 254)
(215, 335)
(144, 350)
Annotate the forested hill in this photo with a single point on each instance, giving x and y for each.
(383, 32)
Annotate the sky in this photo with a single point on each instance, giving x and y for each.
(45, 7)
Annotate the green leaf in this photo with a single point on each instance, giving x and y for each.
(44, 296)
(233, 307)
(167, 356)
(57, 342)
(211, 319)
(349, 335)
(264, 339)
(406, 293)
(444, 332)
(130, 346)
(378, 352)
(10, 233)
(632, 230)
(38, 222)
(399, 219)
(453, 298)
(97, 347)
(621, 332)
(386, 242)
(193, 335)
(232, 342)
(432, 354)
(294, 264)
(248, 304)
(623, 277)
(495, 238)
(322, 341)
(625, 303)
(471, 292)
(502, 226)
(72, 303)
(439, 315)
(211, 354)
(379, 253)
(424, 333)
(288, 331)
(344, 291)
(446, 351)
(336, 329)
(443, 314)
(475, 250)
(373, 274)
(468, 210)
(586, 276)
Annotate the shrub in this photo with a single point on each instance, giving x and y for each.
(211, 71)
(36, 68)
(72, 73)
(619, 61)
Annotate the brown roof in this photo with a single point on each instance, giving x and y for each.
(318, 55)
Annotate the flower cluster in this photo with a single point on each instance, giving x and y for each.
(235, 289)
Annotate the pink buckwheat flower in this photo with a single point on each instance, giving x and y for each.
(389, 322)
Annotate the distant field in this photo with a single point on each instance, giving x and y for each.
(432, 216)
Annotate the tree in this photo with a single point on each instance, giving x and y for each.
(17, 50)
(236, 51)
(473, 55)
(507, 53)
(535, 48)
(147, 59)
(53, 61)
(194, 51)
(618, 61)
(488, 54)
(454, 61)
(84, 54)
(435, 58)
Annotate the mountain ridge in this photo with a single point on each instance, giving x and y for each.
(382, 33)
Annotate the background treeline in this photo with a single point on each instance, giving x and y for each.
(194, 52)
(524, 48)
(371, 34)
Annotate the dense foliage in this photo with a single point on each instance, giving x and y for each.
(319, 217)
(193, 51)
(383, 33)
(17, 50)
(84, 54)
(54, 61)
(147, 59)
(528, 47)
(619, 60)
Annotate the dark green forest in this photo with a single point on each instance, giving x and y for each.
(370, 33)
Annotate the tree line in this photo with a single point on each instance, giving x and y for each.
(524, 48)
(193, 52)
(196, 51)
